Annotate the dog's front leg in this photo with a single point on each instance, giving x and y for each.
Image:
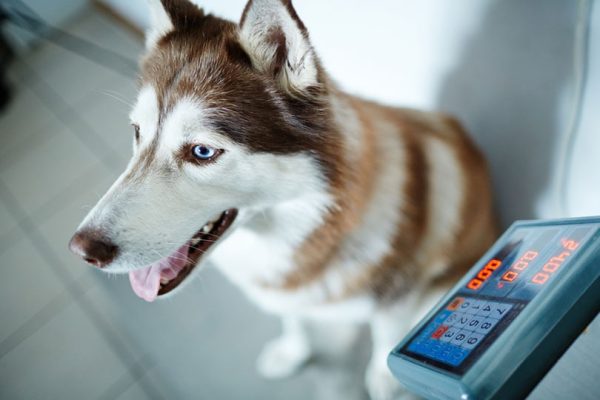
(286, 355)
(388, 326)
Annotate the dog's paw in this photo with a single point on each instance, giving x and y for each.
(381, 384)
(282, 357)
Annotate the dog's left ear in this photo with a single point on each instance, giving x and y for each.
(277, 41)
(169, 15)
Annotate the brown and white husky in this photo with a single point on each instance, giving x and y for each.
(318, 204)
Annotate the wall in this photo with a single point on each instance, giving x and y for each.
(583, 174)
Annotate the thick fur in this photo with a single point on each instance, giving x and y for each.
(348, 210)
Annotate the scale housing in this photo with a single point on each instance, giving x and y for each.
(546, 277)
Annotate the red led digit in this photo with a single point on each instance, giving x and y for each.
(520, 265)
(562, 257)
(570, 244)
(510, 276)
(484, 274)
(540, 278)
(474, 284)
(551, 267)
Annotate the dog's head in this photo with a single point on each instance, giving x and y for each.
(231, 119)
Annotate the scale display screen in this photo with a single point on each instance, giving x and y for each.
(480, 310)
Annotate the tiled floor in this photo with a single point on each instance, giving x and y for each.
(69, 332)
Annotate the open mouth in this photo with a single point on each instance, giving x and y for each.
(166, 274)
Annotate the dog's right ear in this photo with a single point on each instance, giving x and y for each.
(169, 15)
(160, 23)
(277, 42)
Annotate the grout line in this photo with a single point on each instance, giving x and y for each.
(119, 20)
(66, 114)
(134, 374)
(39, 319)
(49, 208)
(106, 330)
(12, 154)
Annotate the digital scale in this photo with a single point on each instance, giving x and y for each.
(505, 324)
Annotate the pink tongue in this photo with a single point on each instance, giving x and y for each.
(145, 282)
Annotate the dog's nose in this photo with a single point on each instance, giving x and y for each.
(93, 247)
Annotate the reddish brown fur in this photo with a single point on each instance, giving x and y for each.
(352, 194)
(203, 59)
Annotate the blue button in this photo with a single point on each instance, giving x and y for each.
(429, 329)
(427, 344)
(415, 347)
(458, 357)
(442, 315)
(451, 320)
(436, 348)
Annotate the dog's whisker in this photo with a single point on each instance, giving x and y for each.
(116, 96)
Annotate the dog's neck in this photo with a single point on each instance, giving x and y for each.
(312, 226)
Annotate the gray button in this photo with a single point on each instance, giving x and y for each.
(487, 325)
(475, 306)
(463, 320)
(474, 323)
(473, 340)
(460, 337)
(466, 305)
(486, 309)
(499, 310)
(449, 335)
(451, 320)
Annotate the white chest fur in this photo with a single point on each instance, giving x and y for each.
(257, 259)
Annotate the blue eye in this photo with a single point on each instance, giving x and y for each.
(203, 153)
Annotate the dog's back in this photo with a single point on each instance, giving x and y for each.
(413, 208)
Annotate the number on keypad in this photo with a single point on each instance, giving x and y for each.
(459, 328)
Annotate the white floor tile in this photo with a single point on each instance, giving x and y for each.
(60, 227)
(68, 75)
(43, 171)
(110, 118)
(74, 77)
(205, 341)
(135, 392)
(141, 391)
(192, 335)
(26, 123)
(29, 284)
(8, 223)
(67, 359)
(105, 32)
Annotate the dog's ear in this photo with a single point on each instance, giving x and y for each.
(169, 15)
(277, 41)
